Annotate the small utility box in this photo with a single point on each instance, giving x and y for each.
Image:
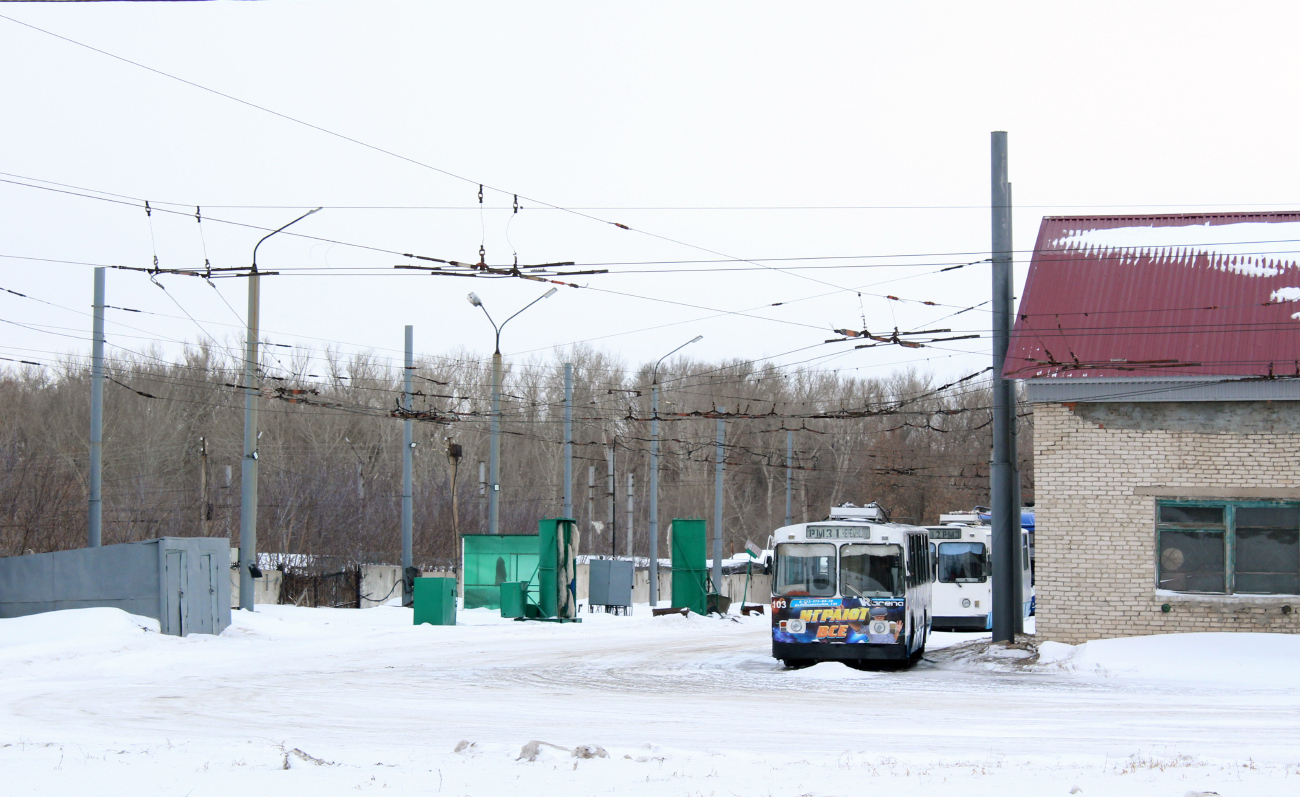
(514, 598)
(610, 584)
(183, 582)
(435, 600)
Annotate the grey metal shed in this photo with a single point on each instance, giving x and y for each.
(183, 582)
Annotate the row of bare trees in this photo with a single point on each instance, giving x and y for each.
(330, 452)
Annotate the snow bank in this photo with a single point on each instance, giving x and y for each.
(1232, 659)
(24, 635)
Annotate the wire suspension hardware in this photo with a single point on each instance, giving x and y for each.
(153, 242)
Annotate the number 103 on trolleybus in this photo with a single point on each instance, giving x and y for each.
(854, 588)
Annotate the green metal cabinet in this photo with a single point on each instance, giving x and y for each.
(435, 601)
(690, 590)
(514, 599)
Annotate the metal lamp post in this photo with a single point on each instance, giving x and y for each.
(494, 450)
(248, 470)
(654, 470)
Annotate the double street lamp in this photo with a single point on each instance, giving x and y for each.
(494, 451)
(654, 470)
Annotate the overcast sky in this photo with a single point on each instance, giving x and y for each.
(854, 135)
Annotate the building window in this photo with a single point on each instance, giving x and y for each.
(1229, 547)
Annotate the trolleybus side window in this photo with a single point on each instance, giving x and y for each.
(805, 569)
(872, 571)
(961, 562)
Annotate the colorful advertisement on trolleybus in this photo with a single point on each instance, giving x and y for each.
(838, 620)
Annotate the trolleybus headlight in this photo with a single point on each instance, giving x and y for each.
(794, 626)
(879, 627)
(965, 603)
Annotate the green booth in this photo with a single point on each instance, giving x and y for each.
(490, 560)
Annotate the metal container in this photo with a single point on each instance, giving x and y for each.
(435, 601)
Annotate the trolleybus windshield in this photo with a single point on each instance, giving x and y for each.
(805, 569)
(961, 562)
(872, 571)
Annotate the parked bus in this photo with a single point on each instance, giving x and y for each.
(963, 568)
(853, 588)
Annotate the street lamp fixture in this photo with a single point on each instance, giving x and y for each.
(248, 569)
(494, 451)
(654, 470)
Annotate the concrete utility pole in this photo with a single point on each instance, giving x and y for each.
(1006, 515)
(94, 521)
(408, 449)
(591, 501)
(718, 468)
(203, 487)
(248, 470)
(609, 496)
(248, 466)
(653, 527)
(568, 440)
(482, 492)
(789, 477)
(628, 529)
(494, 448)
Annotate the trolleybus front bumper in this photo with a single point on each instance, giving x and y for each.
(979, 622)
(829, 651)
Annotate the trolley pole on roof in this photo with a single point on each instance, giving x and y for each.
(718, 469)
(95, 519)
(1006, 515)
(408, 446)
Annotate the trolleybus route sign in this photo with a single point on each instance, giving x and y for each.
(839, 533)
(945, 534)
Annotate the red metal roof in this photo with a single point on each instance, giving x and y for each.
(1161, 295)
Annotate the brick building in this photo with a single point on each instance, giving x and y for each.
(1161, 355)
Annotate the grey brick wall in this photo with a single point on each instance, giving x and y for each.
(1097, 483)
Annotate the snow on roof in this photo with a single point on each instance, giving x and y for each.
(1235, 247)
(1209, 294)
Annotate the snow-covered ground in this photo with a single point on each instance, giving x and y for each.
(322, 702)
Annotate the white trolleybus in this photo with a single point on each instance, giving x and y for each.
(853, 588)
(963, 567)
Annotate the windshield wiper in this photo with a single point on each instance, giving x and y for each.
(856, 594)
